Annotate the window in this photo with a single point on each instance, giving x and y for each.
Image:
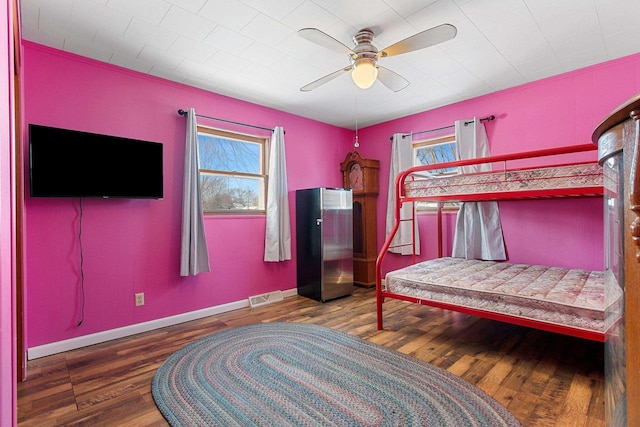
(433, 151)
(232, 171)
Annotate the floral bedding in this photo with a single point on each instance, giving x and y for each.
(544, 178)
(569, 297)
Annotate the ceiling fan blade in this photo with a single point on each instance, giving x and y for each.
(393, 81)
(325, 40)
(326, 79)
(423, 39)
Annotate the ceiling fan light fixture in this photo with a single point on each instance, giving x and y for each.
(364, 73)
(364, 55)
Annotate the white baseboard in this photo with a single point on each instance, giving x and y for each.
(100, 337)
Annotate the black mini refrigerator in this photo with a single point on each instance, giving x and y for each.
(324, 243)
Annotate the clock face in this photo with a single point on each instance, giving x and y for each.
(355, 177)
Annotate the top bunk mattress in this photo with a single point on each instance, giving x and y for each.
(568, 297)
(564, 180)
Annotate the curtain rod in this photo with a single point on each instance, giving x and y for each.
(483, 119)
(184, 113)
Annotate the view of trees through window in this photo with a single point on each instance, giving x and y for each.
(429, 154)
(434, 151)
(231, 171)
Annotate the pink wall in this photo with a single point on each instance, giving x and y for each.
(558, 111)
(132, 246)
(8, 378)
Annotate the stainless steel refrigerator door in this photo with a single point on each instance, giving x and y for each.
(337, 243)
(309, 243)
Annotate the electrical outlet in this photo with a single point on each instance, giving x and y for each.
(140, 299)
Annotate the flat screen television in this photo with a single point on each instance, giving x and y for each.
(70, 163)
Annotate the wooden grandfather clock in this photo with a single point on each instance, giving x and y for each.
(361, 176)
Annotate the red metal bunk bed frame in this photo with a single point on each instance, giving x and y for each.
(401, 198)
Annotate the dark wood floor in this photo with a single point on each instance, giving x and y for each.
(544, 379)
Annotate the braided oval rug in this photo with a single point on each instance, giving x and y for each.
(296, 374)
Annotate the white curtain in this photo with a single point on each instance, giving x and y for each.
(277, 241)
(194, 256)
(478, 233)
(401, 159)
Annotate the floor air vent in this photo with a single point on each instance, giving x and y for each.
(262, 299)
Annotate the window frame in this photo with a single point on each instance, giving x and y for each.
(263, 142)
(427, 207)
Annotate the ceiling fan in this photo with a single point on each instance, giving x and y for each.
(364, 55)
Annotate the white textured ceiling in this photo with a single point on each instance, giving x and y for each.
(250, 50)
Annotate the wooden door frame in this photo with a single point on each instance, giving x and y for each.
(21, 351)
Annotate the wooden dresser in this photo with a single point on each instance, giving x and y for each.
(618, 137)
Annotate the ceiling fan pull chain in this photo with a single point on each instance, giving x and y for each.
(356, 144)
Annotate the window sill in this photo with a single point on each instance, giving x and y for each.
(435, 211)
(234, 215)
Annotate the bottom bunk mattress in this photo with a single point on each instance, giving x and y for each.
(567, 297)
